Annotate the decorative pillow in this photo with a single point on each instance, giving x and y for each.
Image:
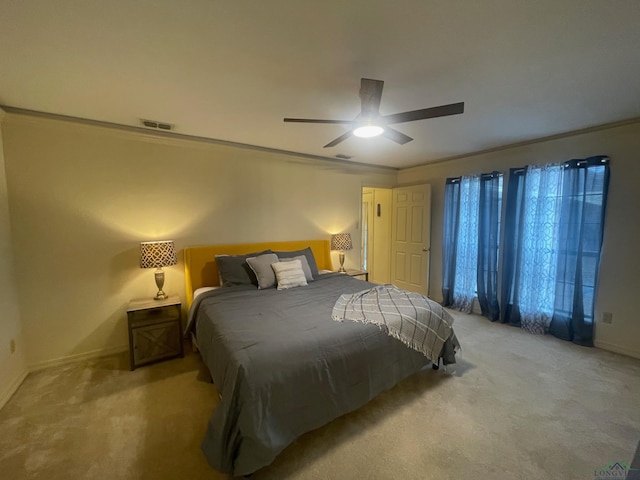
(289, 274)
(261, 267)
(234, 269)
(307, 252)
(305, 266)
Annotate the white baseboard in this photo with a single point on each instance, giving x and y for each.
(11, 389)
(56, 362)
(611, 347)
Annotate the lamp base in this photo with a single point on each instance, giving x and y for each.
(341, 257)
(159, 274)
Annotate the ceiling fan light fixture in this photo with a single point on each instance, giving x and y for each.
(369, 123)
(368, 131)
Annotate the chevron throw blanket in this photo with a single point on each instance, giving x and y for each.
(415, 320)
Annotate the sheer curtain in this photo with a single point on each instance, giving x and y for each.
(553, 235)
(539, 254)
(466, 267)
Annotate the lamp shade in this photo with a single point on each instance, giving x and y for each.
(341, 241)
(157, 254)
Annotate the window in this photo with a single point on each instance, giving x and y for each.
(553, 239)
(470, 243)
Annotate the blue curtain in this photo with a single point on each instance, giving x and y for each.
(490, 209)
(470, 242)
(512, 247)
(450, 238)
(554, 225)
(585, 186)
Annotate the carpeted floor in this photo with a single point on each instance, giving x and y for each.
(516, 407)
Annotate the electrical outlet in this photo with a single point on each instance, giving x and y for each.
(607, 317)
(12, 346)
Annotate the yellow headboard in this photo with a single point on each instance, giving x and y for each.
(201, 270)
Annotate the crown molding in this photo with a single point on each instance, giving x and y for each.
(572, 133)
(168, 138)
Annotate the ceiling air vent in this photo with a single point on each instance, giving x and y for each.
(343, 157)
(157, 125)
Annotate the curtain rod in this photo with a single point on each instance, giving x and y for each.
(482, 175)
(576, 163)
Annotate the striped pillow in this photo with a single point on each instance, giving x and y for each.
(289, 274)
(305, 267)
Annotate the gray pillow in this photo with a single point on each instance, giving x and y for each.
(307, 252)
(305, 266)
(234, 269)
(261, 267)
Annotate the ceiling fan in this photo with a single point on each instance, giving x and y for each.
(369, 122)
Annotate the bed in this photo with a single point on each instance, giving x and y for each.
(281, 365)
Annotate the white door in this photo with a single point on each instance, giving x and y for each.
(376, 233)
(410, 238)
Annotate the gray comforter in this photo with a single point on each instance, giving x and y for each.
(283, 367)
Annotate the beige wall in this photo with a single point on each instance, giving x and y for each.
(13, 367)
(620, 264)
(83, 196)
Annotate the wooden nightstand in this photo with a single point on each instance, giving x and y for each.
(358, 273)
(155, 330)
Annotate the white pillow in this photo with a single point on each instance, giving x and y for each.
(305, 266)
(289, 274)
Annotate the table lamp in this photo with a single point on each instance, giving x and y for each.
(341, 242)
(157, 255)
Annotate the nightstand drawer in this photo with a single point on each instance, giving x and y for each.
(150, 316)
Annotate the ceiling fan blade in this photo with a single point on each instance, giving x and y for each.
(370, 95)
(338, 140)
(313, 120)
(441, 111)
(396, 136)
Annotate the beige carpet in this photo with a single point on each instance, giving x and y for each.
(517, 407)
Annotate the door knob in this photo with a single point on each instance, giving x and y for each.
(425, 249)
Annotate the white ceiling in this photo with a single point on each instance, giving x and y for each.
(231, 70)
